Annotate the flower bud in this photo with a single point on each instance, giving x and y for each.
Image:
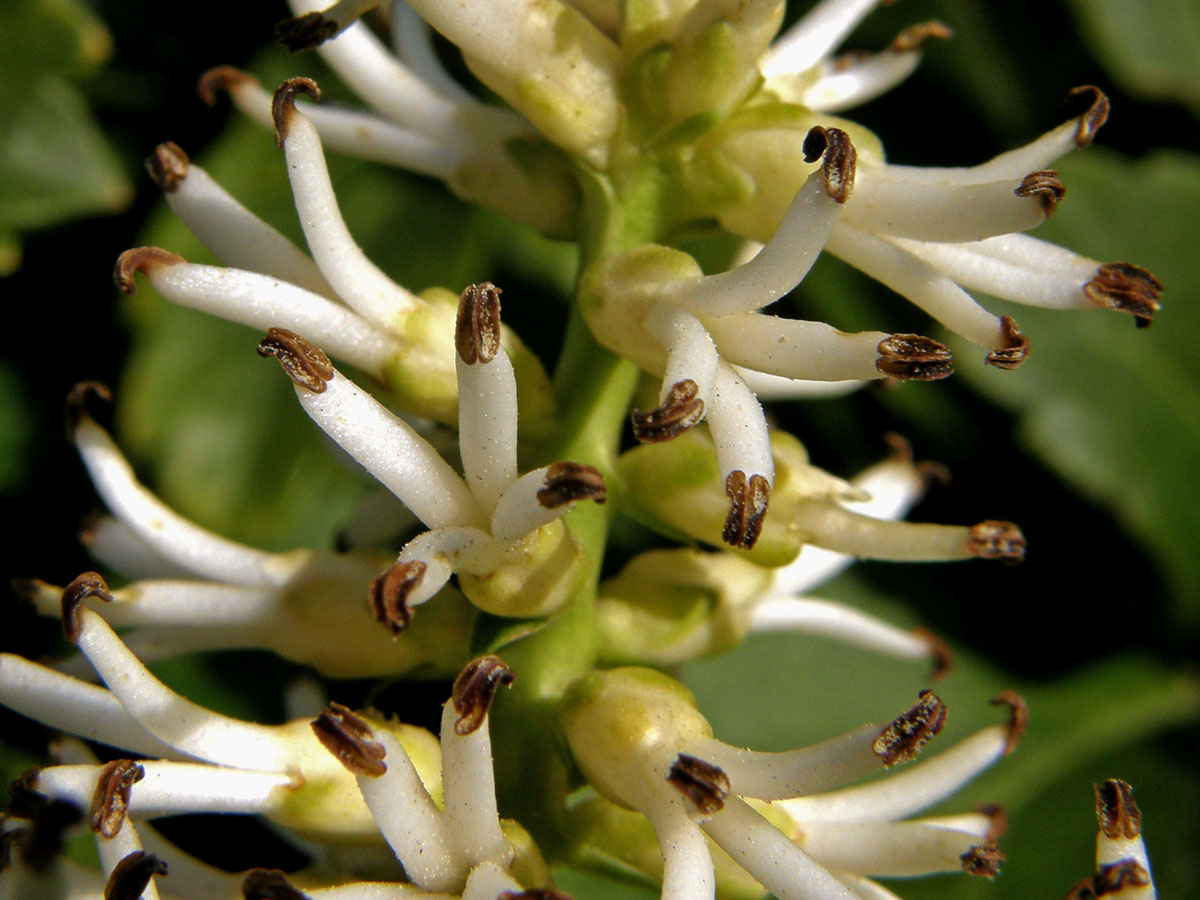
(539, 574)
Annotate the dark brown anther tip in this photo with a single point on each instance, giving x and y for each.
(983, 861)
(348, 737)
(477, 326)
(1092, 120)
(1116, 811)
(306, 365)
(168, 166)
(269, 884)
(220, 78)
(87, 400)
(535, 894)
(1013, 349)
(903, 739)
(913, 357)
(939, 650)
(132, 874)
(1115, 877)
(141, 259)
(1128, 288)
(110, 801)
(814, 144)
(912, 37)
(748, 502)
(475, 688)
(569, 482)
(1018, 717)
(389, 594)
(840, 159)
(704, 785)
(1046, 187)
(283, 104)
(305, 32)
(679, 411)
(997, 820)
(89, 584)
(996, 540)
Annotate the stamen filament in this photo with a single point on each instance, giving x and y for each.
(314, 28)
(814, 36)
(795, 349)
(738, 428)
(837, 528)
(838, 622)
(891, 849)
(412, 38)
(113, 544)
(844, 83)
(687, 862)
(469, 789)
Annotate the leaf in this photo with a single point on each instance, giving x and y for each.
(1151, 47)
(1117, 411)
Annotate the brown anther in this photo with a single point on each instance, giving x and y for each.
(87, 400)
(168, 166)
(1115, 877)
(913, 357)
(221, 78)
(535, 894)
(1046, 187)
(41, 842)
(679, 411)
(568, 482)
(840, 159)
(269, 884)
(903, 739)
(283, 104)
(748, 502)
(983, 861)
(110, 801)
(347, 736)
(1014, 347)
(389, 594)
(1096, 115)
(475, 688)
(943, 656)
(306, 365)
(131, 875)
(305, 32)
(1116, 810)
(701, 782)
(89, 584)
(917, 34)
(477, 327)
(996, 540)
(144, 260)
(1128, 288)
(997, 820)
(1018, 719)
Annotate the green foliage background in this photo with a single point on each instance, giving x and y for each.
(1093, 446)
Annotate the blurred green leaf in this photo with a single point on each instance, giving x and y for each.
(49, 37)
(1117, 411)
(16, 428)
(1151, 47)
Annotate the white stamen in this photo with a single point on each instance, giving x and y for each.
(864, 888)
(795, 349)
(738, 428)
(189, 728)
(1003, 269)
(469, 789)
(837, 528)
(412, 38)
(776, 269)
(388, 447)
(488, 882)
(173, 603)
(180, 541)
(344, 12)
(908, 791)
(919, 282)
(839, 622)
(841, 86)
(691, 353)
(371, 72)
(358, 281)
(763, 851)
(687, 862)
(776, 387)
(1039, 154)
(73, 706)
(409, 820)
(892, 849)
(793, 773)
(115, 545)
(1111, 850)
(487, 426)
(263, 301)
(518, 511)
(237, 236)
(113, 850)
(884, 201)
(815, 36)
(444, 551)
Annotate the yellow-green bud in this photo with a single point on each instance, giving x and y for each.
(540, 573)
